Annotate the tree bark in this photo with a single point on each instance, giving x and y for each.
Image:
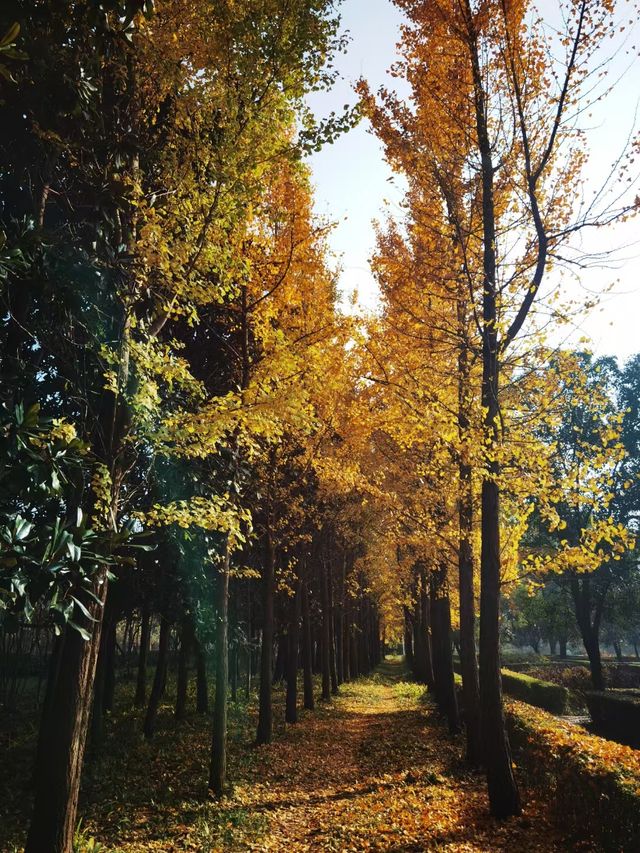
(442, 649)
(159, 679)
(354, 644)
(468, 660)
(504, 797)
(346, 644)
(202, 688)
(563, 648)
(423, 663)
(307, 651)
(63, 734)
(333, 669)
(265, 714)
(291, 706)
(280, 666)
(143, 656)
(186, 644)
(233, 666)
(408, 637)
(589, 625)
(339, 623)
(218, 767)
(325, 647)
(110, 667)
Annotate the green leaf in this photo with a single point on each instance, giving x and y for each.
(82, 608)
(82, 631)
(74, 551)
(21, 528)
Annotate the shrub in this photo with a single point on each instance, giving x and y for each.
(543, 694)
(593, 783)
(616, 712)
(517, 656)
(622, 675)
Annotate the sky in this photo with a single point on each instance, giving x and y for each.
(354, 185)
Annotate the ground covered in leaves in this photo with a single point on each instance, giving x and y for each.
(373, 770)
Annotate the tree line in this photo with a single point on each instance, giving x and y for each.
(199, 445)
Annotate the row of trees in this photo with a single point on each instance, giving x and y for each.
(194, 434)
(172, 358)
(500, 451)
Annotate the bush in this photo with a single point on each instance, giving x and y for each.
(616, 712)
(593, 783)
(622, 675)
(513, 655)
(543, 694)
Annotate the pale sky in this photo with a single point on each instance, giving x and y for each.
(354, 185)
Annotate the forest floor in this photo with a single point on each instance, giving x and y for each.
(374, 770)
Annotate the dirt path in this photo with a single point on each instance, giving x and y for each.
(377, 771)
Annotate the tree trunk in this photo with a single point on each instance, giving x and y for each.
(589, 627)
(442, 650)
(291, 708)
(408, 637)
(110, 667)
(591, 642)
(339, 623)
(307, 651)
(143, 657)
(63, 734)
(104, 682)
(504, 797)
(468, 659)
(186, 644)
(363, 636)
(97, 713)
(233, 665)
(280, 665)
(218, 767)
(202, 688)
(563, 647)
(159, 679)
(249, 649)
(346, 645)
(423, 663)
(265, 715)
(325, 647)
(354, 643)
(333, 669)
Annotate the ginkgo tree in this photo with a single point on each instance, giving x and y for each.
(161, 119)
(493, 106)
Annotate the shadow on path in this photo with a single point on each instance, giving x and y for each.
(376, 770)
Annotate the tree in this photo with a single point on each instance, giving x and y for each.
(126, 180)
(494, 105)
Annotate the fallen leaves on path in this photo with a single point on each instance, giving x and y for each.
(376, 771)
